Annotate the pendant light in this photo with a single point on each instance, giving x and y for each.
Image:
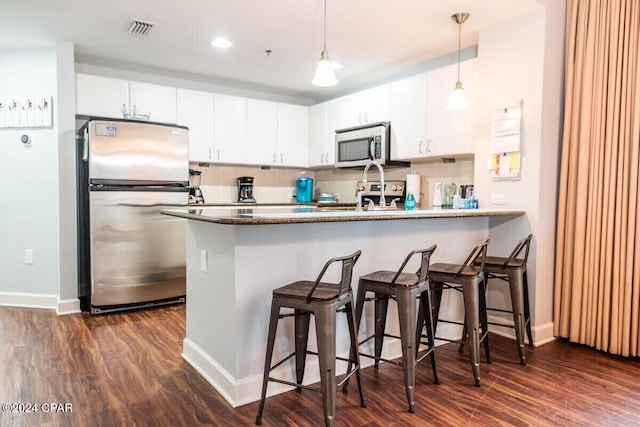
(325, 71)
(458, 99)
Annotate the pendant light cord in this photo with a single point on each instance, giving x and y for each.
(459, 36)
(325, 24)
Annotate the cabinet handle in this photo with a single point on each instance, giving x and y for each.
(326, 157)
(281, 158)
(210, 154)
(366, 117)
(429, 146)
(218, 150)
(360, 118)
(420, 147)
(274, 158)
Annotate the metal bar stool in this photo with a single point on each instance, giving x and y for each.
(324, 301)
(404, 288)
(467, 278)
(514, 271)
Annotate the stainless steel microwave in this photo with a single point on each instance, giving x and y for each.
(357, 146)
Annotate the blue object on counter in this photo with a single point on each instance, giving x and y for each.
(304, 189)
(410, 202)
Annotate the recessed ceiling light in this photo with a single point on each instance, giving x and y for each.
(221, 43)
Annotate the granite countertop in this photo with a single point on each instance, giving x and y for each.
(272, 214)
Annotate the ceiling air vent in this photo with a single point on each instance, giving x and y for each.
(140, 28)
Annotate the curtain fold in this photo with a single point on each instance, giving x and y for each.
(597, 287)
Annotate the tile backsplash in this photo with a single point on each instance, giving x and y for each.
(277, 185)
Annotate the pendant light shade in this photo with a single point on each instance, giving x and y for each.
(458, 99)
(325, 75)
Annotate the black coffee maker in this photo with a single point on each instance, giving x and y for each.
(195, 194)
(245, 189)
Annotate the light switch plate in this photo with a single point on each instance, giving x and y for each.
(498, 199)
(28, 256)
(203, 261)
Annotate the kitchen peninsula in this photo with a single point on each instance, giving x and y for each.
(237, 256)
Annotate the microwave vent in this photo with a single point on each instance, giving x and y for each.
(139, 28)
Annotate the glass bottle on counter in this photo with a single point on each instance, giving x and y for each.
(410, 202)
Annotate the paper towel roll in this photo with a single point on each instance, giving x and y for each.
(413, 186)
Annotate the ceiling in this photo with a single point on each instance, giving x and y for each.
(374, 39)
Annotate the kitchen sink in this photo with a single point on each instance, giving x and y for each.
(353, 209)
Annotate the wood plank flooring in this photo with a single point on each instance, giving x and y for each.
(126, 370)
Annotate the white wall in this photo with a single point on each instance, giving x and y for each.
(523, 60)
(34, 203)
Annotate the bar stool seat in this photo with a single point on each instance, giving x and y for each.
(324, 300)
(514, 271)
(404, 288)
(467, 278)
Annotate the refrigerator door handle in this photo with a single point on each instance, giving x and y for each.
(85, 145)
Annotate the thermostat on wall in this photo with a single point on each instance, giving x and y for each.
(25, 139)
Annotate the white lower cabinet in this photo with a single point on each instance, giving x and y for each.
(195, 110)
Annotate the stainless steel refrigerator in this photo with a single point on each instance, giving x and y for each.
(129, 254)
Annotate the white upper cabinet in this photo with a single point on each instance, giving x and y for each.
(362, 108)
(421, 125)
(321, 145)
(450, 132)
(195, 110)
(262, 142)
(293, 135)
(158, 101)
(230, 129)
(101, 96)
(408, 105)
(108, 97)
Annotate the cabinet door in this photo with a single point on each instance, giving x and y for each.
(262, 132)
(101, 96)
(293, 135)
(318, 141)
(195, 110)
(450, 132)
(158, 101)
(229, 129)
(408, 111)
(375, 105)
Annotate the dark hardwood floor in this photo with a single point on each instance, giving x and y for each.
(126, 370)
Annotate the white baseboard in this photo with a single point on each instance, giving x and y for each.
(16, 299)
(542, 334)
(42, 301)
(68, 306)
(238, 392)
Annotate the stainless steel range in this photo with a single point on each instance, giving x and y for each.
(393, 190)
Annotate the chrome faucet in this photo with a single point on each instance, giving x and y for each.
(383, 202)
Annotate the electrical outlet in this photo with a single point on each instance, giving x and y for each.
(203, 261)
(498, 199)
(28, 256)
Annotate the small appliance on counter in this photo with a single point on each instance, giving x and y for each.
(304, 189)
(466, 191)
(392, 190)
(245, 189)
(443, 195)
(195, 193)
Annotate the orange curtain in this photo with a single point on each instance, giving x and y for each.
(597, 280)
